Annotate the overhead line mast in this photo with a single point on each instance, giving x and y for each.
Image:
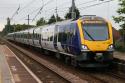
(73, 9)
(56, 12)
(28, 19)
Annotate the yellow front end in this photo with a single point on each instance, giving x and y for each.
(95, 51)
(96, 46)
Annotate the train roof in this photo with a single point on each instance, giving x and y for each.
(91, 17)
(84, 17)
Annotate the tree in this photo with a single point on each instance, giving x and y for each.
(121, 18)
(20, 27)
(14, 28)
(53, 19)
(121, 11)
(41, 22)
(69, 14)
(8, 28)
(59, 18)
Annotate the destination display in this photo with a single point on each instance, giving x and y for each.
(93, 21)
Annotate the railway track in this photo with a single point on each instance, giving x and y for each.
(117, 75)
(66, 76)
(119, 65)
(83, 75)
(43, 73)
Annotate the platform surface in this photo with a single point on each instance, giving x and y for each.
(119, 55)
(5, 73)
(11, 70)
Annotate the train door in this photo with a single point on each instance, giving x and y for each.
(51, 30)
(41, 36)
(68, 39)
(55, 37)
(59, 40)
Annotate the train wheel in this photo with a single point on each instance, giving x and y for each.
(46, 52)
(74, 62)
(68, 60)
(58, 56)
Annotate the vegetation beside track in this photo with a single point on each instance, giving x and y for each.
(119, 46)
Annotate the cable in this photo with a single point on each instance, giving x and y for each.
(65, 9)
(15, 13)
(86, 7)
(19, 10)
(69, 7)
(41, 9)
(87, 2)
(57, 6)
(95, 4)
(27, 5)
(38, 11)
(51, 8)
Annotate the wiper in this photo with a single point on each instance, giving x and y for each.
(89, 35)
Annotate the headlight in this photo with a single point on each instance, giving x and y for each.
(111, 47)
(84, 47)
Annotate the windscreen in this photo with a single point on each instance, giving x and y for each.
(95, 32)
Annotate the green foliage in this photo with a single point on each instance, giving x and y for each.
(119, 46)
(121, 31)
(53, 19)
(20, 27)
(14, 28)
(121, 19)
(41, 22)
(59, 18)
(7, 29)
(69, 14)
(121, 11)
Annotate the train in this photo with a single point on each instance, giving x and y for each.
(86, 42)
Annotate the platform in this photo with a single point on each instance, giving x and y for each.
(12, 70)
(119, 55)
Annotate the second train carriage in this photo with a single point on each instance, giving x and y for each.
(88, 39)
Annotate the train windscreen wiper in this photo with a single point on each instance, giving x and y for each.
(89, 35)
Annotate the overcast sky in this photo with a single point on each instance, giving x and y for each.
(9, 7)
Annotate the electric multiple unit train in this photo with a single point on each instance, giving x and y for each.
(88, 40)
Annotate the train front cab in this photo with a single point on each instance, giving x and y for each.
(96, 42)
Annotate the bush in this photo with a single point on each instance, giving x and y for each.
(119, 46)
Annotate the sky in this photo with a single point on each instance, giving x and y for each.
(31, 7)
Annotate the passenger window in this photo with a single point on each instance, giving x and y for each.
(68, 32)
(59, 34)
(39, 36)
(73, 28)
(36, 35)
(65, 34)
(55, 34)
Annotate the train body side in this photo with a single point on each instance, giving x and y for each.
(62, 38)
(69, 38)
